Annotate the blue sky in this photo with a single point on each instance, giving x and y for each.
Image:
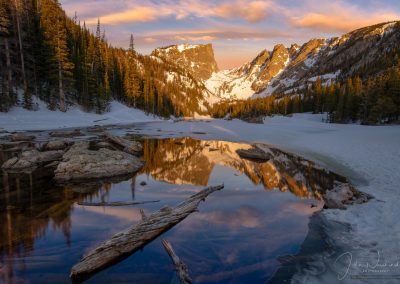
(238, 29)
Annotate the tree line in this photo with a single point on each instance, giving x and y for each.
(370, 101)
(50, 56)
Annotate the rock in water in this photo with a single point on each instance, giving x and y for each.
(80, 163)
(31, 159)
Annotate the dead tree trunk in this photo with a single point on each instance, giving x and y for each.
(180, 266)
(136, 237)
(117, 203)
(60, 87)
(21, 48)
(8, 66)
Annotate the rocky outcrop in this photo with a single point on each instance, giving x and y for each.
(197, 59)
(80, 163)
(276, 62)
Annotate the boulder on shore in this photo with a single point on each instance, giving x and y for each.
(344, 194)
(19, 137)
(57, 145)
(80, 163)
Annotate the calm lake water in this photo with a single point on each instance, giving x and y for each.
(236, 237)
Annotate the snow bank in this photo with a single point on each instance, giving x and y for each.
(21, 119)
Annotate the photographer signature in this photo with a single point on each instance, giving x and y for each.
(373, 265)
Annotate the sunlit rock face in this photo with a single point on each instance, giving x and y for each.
(197, 59)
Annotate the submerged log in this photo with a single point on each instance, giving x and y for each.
(117, 203)
(136, 237)
(180, 266)
(130, 147)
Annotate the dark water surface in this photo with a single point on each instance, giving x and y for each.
(236, 237)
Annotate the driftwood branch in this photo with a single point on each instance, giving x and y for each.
(130, 147)
(136, 237)
(180, 266)
(116, 203)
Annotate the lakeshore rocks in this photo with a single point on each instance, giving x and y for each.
(128, 146)
(104, 145)
(57, 145)
(343, 194)
(31, 159)
(19, 137)
(72, 133)
(80, 163)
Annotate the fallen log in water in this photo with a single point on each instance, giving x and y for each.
(180, 266)
(127, 242)
(116, 203)
(130, 147)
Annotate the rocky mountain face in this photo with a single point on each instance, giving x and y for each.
(362, 52)
(198, 59)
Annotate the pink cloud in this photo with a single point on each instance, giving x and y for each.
(338, 16)
(250, 11)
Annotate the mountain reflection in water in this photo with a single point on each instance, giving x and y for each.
(237, 235)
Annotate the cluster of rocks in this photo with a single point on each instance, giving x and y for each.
(343, 194)
(74, 161)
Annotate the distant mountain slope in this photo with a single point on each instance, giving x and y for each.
(364, 52)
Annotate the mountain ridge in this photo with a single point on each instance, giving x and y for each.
(285, 69)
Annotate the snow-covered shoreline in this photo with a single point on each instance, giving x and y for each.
(19, 119)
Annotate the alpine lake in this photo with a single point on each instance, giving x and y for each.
(241, 234)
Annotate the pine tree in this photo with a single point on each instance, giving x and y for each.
(6, 100)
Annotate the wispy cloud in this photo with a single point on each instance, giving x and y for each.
(222, 33)
(340, 16)
(139, 14)
(139, 11)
